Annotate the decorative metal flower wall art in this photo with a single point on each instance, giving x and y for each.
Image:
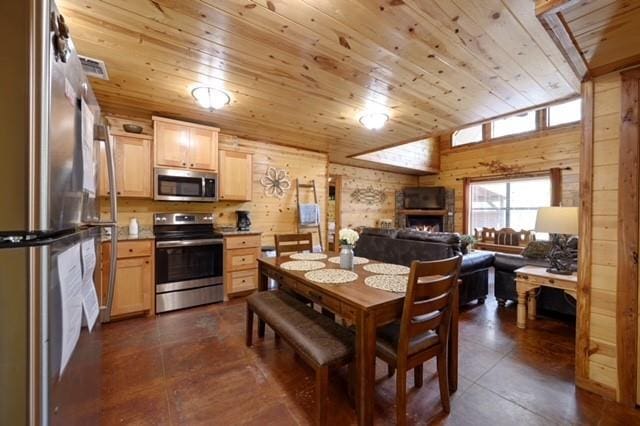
(276, 182)
(368, 195)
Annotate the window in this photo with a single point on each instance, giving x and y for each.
(467, 135)
(568, 112)
(508, 203)
(514, 124)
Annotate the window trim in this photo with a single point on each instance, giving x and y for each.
(542, 127)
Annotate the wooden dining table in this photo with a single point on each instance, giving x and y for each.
(367, 308)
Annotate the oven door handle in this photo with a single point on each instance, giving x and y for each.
(188, 243)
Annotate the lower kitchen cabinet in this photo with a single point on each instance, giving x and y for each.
(134, 287)
(241, 255)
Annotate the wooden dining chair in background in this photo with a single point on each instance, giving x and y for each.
(423, 331)
(290, 244)
(293, 243)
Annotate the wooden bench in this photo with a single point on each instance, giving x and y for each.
(317, 339)
(505, 240)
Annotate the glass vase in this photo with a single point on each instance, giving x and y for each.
(346, 257)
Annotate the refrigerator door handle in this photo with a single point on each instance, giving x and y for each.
(102, 133)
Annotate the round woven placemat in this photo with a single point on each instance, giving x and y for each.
(386, 269)
(308, 256)
(393, 283)
(356, 260)
(302, 265)
(331, 276)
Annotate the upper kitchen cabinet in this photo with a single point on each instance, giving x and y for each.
(183, 145)
(235, 176)
(133, 166)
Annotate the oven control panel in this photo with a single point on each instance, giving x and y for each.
(183, 218)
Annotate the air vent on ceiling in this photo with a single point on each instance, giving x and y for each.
(94, 67)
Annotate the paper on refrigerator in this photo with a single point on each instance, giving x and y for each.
(88, 154)
(70, 277)
(89, 296)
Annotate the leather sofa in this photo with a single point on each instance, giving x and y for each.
(404, 246)
(549, 299)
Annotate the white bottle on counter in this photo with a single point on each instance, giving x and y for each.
(133, 226)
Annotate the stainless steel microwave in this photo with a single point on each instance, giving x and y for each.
(184, 185)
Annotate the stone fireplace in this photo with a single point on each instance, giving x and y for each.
(430, 220)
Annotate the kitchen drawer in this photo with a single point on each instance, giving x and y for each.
(242, 241)
(240, 259)
(242, 280)
(315, 296)
(134, 248)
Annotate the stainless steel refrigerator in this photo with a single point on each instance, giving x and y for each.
(50, 228)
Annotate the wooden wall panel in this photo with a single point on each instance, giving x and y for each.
(552, 148)
(359, 214)
(601, 362)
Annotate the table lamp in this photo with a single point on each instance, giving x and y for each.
(561, 223)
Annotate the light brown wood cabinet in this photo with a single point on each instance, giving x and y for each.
(236, 174)
(133, 166)
(134, 288)
(183, 145)
(241, 253)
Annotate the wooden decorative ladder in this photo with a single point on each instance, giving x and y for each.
(309, 228)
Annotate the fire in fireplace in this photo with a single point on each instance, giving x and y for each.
(426, 223)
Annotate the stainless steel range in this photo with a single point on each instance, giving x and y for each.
(189, 261)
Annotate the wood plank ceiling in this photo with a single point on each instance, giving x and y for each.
(300, 72)
(598, 36)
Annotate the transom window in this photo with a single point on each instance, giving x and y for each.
(568, 112)
(467, 135)
(514, 124)
(565, 113)
(511, 203)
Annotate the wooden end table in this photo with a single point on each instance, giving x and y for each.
(529, 279)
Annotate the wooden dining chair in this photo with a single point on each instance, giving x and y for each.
(423, 331)
(289, 244)
(293, 243)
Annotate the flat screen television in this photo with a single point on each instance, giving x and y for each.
(432, 198)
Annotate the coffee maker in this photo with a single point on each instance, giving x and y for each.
(243, 223)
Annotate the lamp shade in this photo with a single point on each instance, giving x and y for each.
(557, 220)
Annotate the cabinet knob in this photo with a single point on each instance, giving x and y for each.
(130, 250)
(244, 242)
(191, 164)
(551, 281)
(184, 164)
(243, 259)
(146, 261)
(118, 192)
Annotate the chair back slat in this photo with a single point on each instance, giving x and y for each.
(432, 322)
(293, 243)
(429, 306)
(430, 287)
(428, 301)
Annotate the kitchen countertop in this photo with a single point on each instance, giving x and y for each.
(236, 233)
(123, 234)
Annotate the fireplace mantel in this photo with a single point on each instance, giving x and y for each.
(419, 212)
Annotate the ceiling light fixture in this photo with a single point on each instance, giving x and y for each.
(374, 120)
(210, 98)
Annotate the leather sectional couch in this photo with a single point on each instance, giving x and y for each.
(549, 299)
(404, 246)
